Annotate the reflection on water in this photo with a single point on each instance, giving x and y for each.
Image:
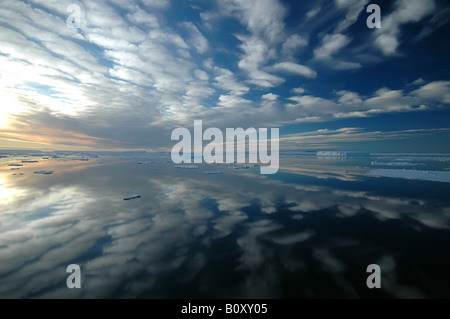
(308, 232)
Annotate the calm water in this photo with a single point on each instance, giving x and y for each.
(309, 231)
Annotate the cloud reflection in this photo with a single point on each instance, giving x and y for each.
(270, 233)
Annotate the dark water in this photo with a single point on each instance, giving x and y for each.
(309, 231)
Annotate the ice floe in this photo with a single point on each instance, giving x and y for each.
(186, 166)
(134, 196)
(15, 165)
(145, 163)
(435, 176)
(214, 172)
(30, 162)
(44, 172)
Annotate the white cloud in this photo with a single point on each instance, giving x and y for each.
(298, 90)
(406, 11)
(331, 44)
(253, 14)
(156, 4)
(226, 81)
(354, 8)
(293, 43)
(198, 41)
(312, 13)
(293, 68)
(439, 91)
(270, 97)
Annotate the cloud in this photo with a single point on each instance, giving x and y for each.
(298, 90)
(438, 91)
(354, 8)
(406, 11)
(331, 44)
(130, 75)
(293, 68)
(199, 42)
(352, 135)
(253, 14)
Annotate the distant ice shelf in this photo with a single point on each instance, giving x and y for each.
(134, 196)
(434, 176)
(398, 164)
(44, 172)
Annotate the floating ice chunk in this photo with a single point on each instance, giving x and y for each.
(434, 176)
(186, 166)
(214, 172)
(30, 162)
(144, 163)
(44, 172)
(134, 196)
(15, 165)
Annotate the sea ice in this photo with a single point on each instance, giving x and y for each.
(435, 176)
(44, 172)
(134, 196)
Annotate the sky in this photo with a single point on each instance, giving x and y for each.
(133, 71)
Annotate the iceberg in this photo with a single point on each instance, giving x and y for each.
(186, 166)
(134, 196)
(214, 172)
(44, 172)
(433, 176)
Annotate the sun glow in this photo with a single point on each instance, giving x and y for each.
(8, 105)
